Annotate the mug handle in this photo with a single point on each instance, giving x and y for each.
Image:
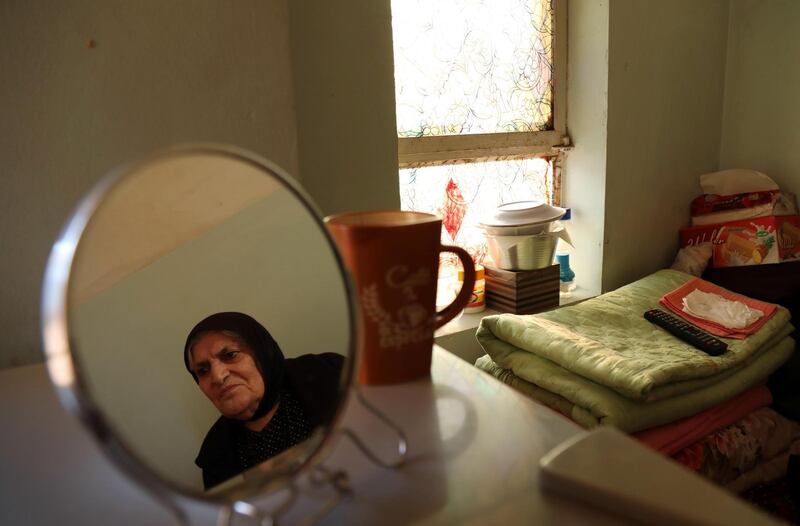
(464, 295)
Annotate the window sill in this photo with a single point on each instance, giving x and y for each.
(469, 321)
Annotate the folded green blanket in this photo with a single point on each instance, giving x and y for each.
(607, 341)
(590, 404)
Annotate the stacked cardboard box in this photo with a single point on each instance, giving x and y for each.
(522, 291)
(755, 241)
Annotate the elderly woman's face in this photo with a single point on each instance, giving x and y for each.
(227, 374)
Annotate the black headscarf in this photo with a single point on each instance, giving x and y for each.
(267, 353)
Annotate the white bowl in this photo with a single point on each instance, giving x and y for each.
(524, 252)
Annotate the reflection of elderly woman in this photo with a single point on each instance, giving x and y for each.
(268, 403)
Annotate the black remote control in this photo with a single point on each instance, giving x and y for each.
(686, 332)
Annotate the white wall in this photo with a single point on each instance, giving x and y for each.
(583, 188)
(165, 204)
(761, 125)
(161, 72)
(343, 69)
(665, 89)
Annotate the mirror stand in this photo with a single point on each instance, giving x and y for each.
(228, 512)
(402, 442)
(321, 476)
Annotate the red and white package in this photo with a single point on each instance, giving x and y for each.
(709, 209)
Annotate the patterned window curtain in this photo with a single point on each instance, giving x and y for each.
(472, 66)
(466, 67)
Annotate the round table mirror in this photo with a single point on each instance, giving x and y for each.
(198, 319)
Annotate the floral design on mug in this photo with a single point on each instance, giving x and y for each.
(399, 277)
(412, 322)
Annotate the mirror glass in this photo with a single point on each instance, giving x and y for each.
(206, 234)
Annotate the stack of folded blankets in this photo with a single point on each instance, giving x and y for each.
(600, 362)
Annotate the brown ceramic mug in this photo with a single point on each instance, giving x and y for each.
(393, 257)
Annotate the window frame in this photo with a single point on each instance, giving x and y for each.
(413, 152)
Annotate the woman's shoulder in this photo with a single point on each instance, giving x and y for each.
(323, 361)
(315, 381)
(220, 437)
(217, 453)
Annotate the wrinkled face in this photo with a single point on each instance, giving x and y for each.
(228, 374)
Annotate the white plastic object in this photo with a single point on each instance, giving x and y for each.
(736, 181)
(610, 470)
(508, 217)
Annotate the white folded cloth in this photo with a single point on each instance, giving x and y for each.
(713, 307)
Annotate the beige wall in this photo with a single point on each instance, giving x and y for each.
(665, 89)
(344, 90)
(761, 126)
(584, 182)
(161, 73)
(163, 206)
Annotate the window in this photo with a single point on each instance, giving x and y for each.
(480, 90)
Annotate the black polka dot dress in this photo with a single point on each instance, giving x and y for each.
(288, 427)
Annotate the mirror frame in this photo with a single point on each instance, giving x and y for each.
(67, 375)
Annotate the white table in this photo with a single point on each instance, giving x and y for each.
(474, 446)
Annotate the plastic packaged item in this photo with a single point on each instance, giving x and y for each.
(710, 209)
(477, 302)
(447, 286)
(566, 275)
(736, 181)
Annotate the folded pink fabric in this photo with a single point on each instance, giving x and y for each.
(671, 438)
(744, 449)
(674, 302)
